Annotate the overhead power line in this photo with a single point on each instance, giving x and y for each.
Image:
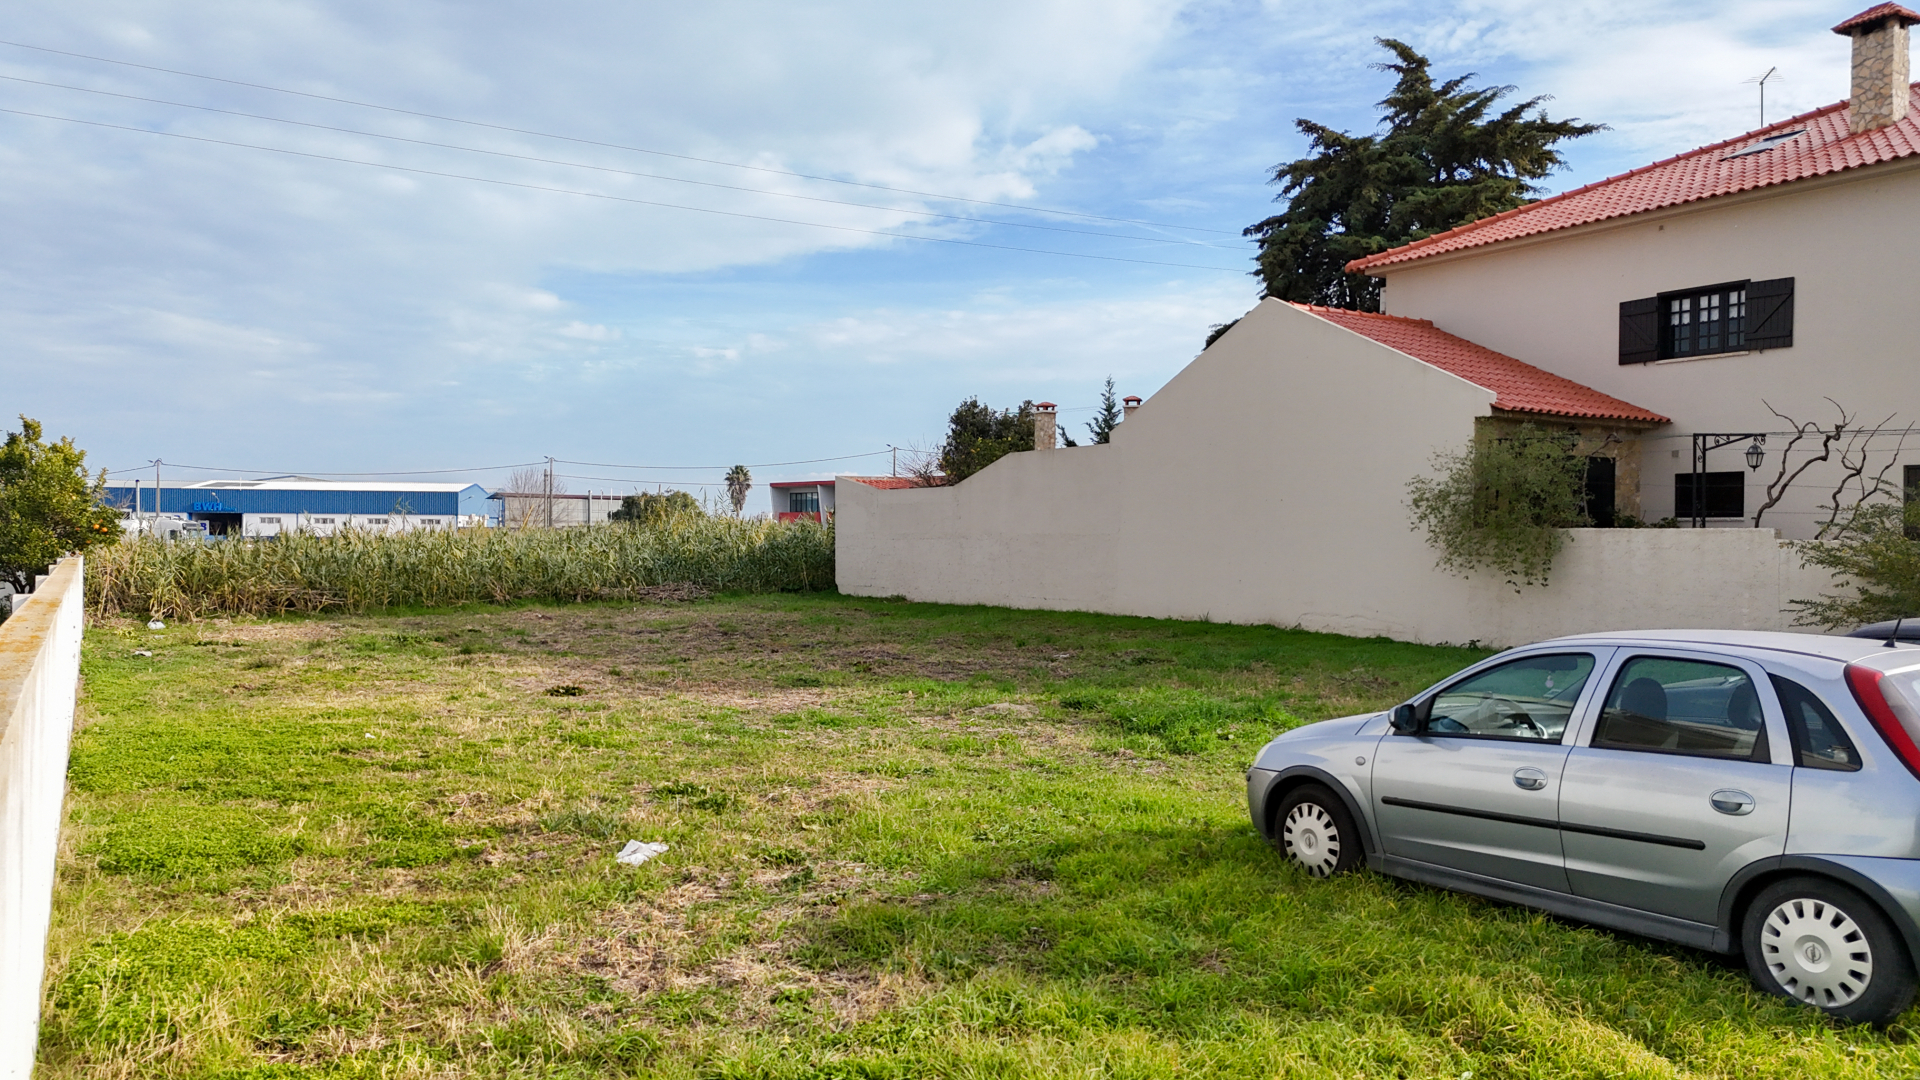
(316, 475)
(603, 168)
(609, 145)
(497, 468)
(690, 468)
(614, 198)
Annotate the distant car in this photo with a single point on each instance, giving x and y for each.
(1753, 793)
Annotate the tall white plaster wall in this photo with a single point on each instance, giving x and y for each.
(1266, 484)
(39, 674)
(1849, 241)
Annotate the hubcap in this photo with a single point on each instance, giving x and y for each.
(1816, 953)
(1311, 839)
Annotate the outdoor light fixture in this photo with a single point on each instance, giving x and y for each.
(1705, 442)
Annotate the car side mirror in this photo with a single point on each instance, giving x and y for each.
(1405, 720)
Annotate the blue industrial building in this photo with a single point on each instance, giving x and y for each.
(286, 503)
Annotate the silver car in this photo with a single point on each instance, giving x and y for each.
(1756, 793)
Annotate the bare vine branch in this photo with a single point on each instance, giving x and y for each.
(1784, 481)
(1855, 459)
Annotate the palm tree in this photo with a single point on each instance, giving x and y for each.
(739, 482)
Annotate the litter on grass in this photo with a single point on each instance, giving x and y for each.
(156, 625)
(636, 852)
(143, 652)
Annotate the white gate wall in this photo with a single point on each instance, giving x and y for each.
(39, 674)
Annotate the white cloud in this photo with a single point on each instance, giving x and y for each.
(358, 317)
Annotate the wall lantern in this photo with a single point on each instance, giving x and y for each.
(1755, 455)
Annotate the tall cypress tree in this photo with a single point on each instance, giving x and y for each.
(1441, 158)
(1106, 417)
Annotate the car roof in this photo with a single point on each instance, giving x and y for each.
(1829, 646)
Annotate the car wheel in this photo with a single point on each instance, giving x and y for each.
(1825, 945)
(1314, 831)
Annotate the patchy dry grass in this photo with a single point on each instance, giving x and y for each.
(906, 840)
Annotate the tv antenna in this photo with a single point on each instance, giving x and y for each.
(1772, 75)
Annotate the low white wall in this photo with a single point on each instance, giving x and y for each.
(1638, 579)
(1267, 484)
(920, 545)
(39, 674)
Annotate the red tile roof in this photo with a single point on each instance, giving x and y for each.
(1874, 14)
(1518, 386)
(895, 483)
(1811, 144)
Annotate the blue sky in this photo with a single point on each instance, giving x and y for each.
(220, 305)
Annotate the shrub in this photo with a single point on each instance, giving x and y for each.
(978, 436)
(357, 571)
(1877, 549)
(651, 508)
(1501, 504)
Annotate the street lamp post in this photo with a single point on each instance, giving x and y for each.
(1703, 442)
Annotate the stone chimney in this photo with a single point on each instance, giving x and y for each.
(1880, 66)
(1044, 422)
(1129, 403)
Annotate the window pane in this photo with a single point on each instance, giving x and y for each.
(1683, 707)
(1680, 325)
(1708, 339)
(1523, 699)
(1736, 318)
(1819, 742)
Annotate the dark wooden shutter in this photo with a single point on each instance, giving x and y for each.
(1770, 313)
(1640, 330)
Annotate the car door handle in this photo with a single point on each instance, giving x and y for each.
(1729, 801)
(1530, 779)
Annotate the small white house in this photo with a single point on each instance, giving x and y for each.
(796, 500)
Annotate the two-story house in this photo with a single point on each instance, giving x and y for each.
(1267, 481)
(1771, 271)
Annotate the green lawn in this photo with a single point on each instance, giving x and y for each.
(906, 840)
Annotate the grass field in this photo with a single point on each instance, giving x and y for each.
(905, 841)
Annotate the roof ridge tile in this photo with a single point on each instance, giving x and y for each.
(1827, 152)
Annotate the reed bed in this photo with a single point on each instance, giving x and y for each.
(357, 571)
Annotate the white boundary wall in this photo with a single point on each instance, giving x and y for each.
(1266, 484)
(39, 675)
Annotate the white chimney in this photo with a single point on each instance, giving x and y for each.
(1129, 403)
(1880, 66)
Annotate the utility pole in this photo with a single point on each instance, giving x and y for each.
(156, 496)
(549, 492)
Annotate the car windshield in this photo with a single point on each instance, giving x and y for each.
(1529, 698)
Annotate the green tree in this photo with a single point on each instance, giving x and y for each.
(1106, 417)
(48, 506)
(978, 436)
(1501, 504)
(1441, 158)
(739, 482)
(649, 508)
(1875, 551)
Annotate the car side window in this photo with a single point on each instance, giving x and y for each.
(1819, 742)
(1530, 698)
(1692, 707)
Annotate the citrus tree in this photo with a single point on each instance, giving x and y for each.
(48, 506)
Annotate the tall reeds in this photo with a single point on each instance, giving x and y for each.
(357, 571)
